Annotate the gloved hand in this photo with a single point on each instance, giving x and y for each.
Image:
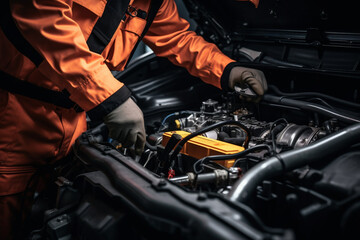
(126, 125)
(248, 77)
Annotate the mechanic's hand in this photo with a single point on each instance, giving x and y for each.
(248, 78)
(126, 125)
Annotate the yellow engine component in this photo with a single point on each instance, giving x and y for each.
(200, 146)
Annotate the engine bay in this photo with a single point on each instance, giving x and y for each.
(216, 166)
(219, 167)
(209, 150)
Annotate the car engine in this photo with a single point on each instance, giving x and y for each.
(224, 168)
(209, 150)
(216, 166)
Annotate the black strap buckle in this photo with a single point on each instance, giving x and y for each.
(132, 11)
(135, 12)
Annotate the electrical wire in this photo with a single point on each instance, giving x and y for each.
(206, 129)
(164, 120)
(273, 124)
(201, 161)
(271, 132)
(217, 165)
(320, 100)
(173, 114)
(148, 158)
(240, 160)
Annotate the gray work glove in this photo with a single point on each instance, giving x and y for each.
(126, 125)
(248, 77)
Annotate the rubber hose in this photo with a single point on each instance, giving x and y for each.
(243, 189)
(312, 107)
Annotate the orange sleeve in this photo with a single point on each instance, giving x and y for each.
(48, 26)
(169, 37)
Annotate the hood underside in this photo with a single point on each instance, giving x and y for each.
(320, 36)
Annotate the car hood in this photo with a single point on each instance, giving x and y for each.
(320, 36)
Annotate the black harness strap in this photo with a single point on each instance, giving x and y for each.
(106, 26)
(13, 34)
(154, 8)
(99, 38)
(17, 86)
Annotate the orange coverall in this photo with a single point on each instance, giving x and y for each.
(34, 133)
